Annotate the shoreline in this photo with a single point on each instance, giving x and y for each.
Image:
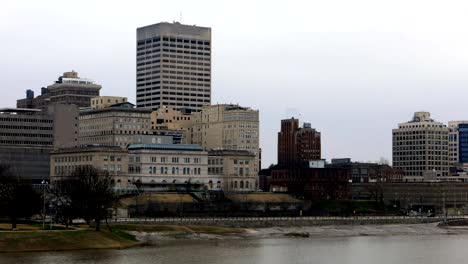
(154, 236)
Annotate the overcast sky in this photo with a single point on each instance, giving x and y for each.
(353, 69)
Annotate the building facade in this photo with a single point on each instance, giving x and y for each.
(312, 183)
(111, 159)
(116, 125)
(420, 146)
(458, 142)
(227, 126)
(26, 138)
(170, 119)
(158, 167)
(101, 102)
(173, 66)
(362, 172)
(235, 170)
(297, 146)
(68, 89)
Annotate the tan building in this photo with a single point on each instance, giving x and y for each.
(114, 160)
(68, 89)
(227, 126)
(173, 66)
(101, 102)
(113, 126)
(235, 170)
(421, 146)
(158, 167)
(171, 119)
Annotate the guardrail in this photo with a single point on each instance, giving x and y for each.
(305, 220)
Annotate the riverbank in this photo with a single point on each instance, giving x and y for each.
(131, 235)
(156, 238)
(40, 240)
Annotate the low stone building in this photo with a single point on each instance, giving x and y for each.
(159, 167)
(111, 159)
(235, 170)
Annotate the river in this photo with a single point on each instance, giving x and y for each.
(426, 249)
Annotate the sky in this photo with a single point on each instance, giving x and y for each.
(353, 69)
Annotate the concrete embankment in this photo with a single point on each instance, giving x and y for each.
(259, 222)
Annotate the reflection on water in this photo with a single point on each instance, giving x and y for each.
(351, 250)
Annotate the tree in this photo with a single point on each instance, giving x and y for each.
(17, 197)
(87, 193)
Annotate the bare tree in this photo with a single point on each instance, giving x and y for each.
(17, 197)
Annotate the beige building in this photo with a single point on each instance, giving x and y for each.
(173, 66)
(113, 126)
(101, 102)
(235, 170)
(114, 160)
(227, 126)
(171, 119)
(158, 167)
(421, 146)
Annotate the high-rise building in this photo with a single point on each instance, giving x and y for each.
(420, 146)
(227, 126)
(68, 89)
(458, 142)
(297, 146)
(173, 66)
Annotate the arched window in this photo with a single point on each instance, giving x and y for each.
(173, 170)
(241, 184)
(162, 170)
(150, 170)
(177, 170)
(235, 184)
(184, 171)
(247, 184)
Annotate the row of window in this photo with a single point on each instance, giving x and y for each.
(172, 88)
(25, 142)
(173, 99)
(172, 61)
(143, 43)
(25, 120)
(140, 69)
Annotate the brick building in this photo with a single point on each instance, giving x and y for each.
(297, 145)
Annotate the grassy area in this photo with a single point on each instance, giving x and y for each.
(177, 229)
(64, 240)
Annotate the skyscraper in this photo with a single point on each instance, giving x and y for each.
(297, 146)
(421, 145)
(173, 66)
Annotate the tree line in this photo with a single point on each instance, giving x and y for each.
(84, 194)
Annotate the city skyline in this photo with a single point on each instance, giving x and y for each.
(351, 83)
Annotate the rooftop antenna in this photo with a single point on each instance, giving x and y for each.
(181, 17)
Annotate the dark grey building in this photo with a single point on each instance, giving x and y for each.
(173, 66)
(26, 139)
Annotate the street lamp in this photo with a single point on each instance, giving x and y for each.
(44, 186)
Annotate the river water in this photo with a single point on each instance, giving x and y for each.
(348, 250)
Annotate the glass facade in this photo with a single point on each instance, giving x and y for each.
(463, 143)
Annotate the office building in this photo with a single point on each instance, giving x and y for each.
(101, 102)
(458, 142)
(26, 138)
(159, 167)
(68, 89)
(111, 159)
(227, 126)
(116, 125)
(173, 121)
(297, 146)
(421, 146)
(235, 170)
(173, 66)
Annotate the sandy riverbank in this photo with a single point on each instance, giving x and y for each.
(153, 238)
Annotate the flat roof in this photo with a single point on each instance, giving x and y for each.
(166, 147)
(19, 110)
